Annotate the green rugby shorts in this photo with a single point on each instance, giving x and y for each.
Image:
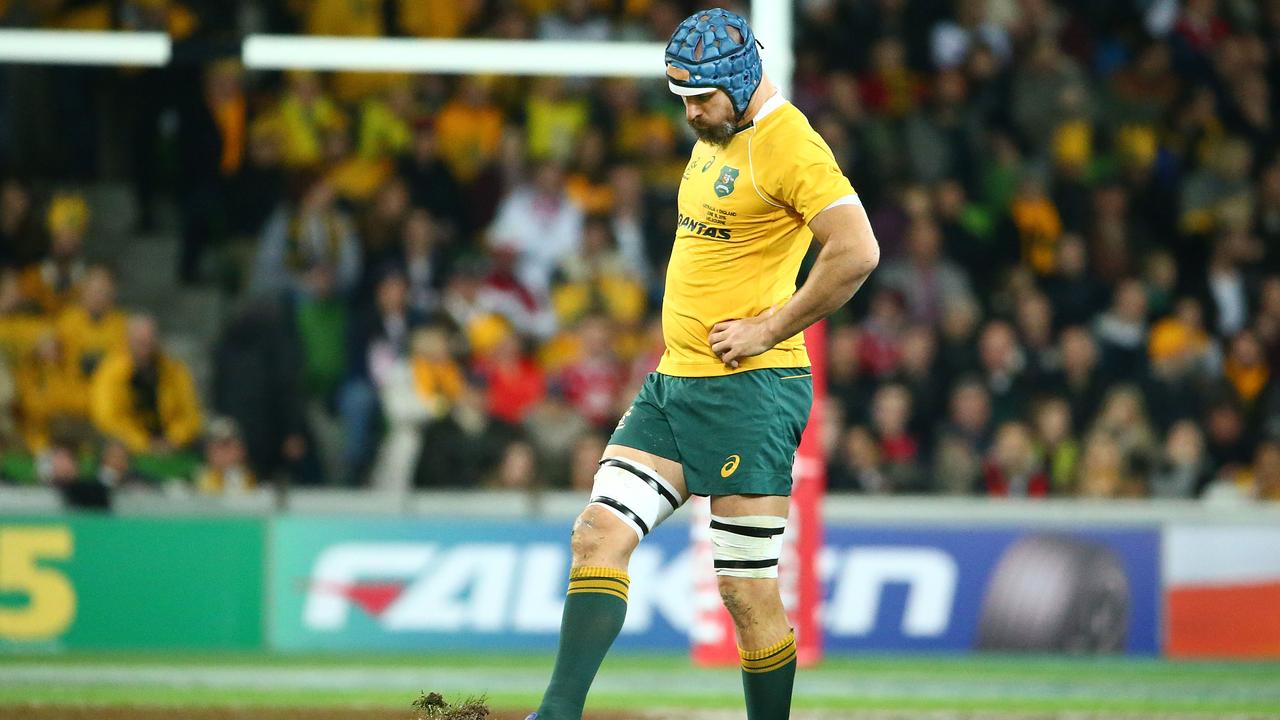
(733, 434)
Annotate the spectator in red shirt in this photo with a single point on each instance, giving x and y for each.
(899, 448)
(879, 350)
(1200, 27)
(592, 381)
(513, 382)
(1014, 468)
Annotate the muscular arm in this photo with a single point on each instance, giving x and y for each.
(849, 254)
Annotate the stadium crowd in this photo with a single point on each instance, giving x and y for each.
(455, 281)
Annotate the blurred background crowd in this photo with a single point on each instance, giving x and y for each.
(436, 281)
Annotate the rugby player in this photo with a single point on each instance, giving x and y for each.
(723, 413)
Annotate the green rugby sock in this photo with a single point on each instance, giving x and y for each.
(594, 609)
(767, 677)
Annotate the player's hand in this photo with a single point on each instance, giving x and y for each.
(733, 340)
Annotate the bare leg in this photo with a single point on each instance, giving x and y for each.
(596, 602)
(766, 642)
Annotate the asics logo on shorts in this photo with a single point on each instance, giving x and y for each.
(730, 466)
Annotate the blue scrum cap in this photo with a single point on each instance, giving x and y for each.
(714, 49)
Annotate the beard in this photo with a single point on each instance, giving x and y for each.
(718, 134)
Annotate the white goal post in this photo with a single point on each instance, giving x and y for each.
(78, 47)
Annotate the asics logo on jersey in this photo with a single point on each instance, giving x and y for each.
(703, 229)
(730, 466)
(707, 165)
(724, 185)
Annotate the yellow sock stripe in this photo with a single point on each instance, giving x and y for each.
(616, 582)
(597, 585)
(603, 580)
(599, 591)
(601, 572)
(782, 661)
(773, 649)
(770, 658)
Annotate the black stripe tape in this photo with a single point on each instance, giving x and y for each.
(746, 530)
(657, 486)
(744, 564)
(626, 512)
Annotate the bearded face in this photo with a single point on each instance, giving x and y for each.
(711, 116)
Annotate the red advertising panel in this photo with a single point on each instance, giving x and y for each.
(1222, 591)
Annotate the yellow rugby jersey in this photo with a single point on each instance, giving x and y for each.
(741, 234)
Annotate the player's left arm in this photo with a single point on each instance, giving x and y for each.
(849, 253)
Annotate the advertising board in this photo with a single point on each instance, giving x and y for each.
(419, 584)
(86, 582)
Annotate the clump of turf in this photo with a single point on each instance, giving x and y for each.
(432, 706)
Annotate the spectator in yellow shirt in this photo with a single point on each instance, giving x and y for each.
(469, 128)
(51, 395)
(349, 18)
(1035, 222)
(554, 120)
(438, 19)
(148, 15)
(143, 396)
(93, 327)
(597, 278)
(386, 123)
(54, 281)
(306, 115)
(21, 323)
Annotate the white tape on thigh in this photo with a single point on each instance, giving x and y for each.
(747, 546)
(636, 494)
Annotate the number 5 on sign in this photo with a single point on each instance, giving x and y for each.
(50, 601)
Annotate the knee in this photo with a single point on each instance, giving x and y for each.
(601, 539)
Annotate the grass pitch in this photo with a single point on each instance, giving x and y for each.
(311, 687)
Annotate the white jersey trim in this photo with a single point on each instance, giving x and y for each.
(774, 102)
(846, 200)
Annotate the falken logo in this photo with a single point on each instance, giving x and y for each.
(485, 587)
(724, 185)
(703, 229)
(502, 587)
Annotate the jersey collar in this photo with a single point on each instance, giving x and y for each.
(774, 102)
